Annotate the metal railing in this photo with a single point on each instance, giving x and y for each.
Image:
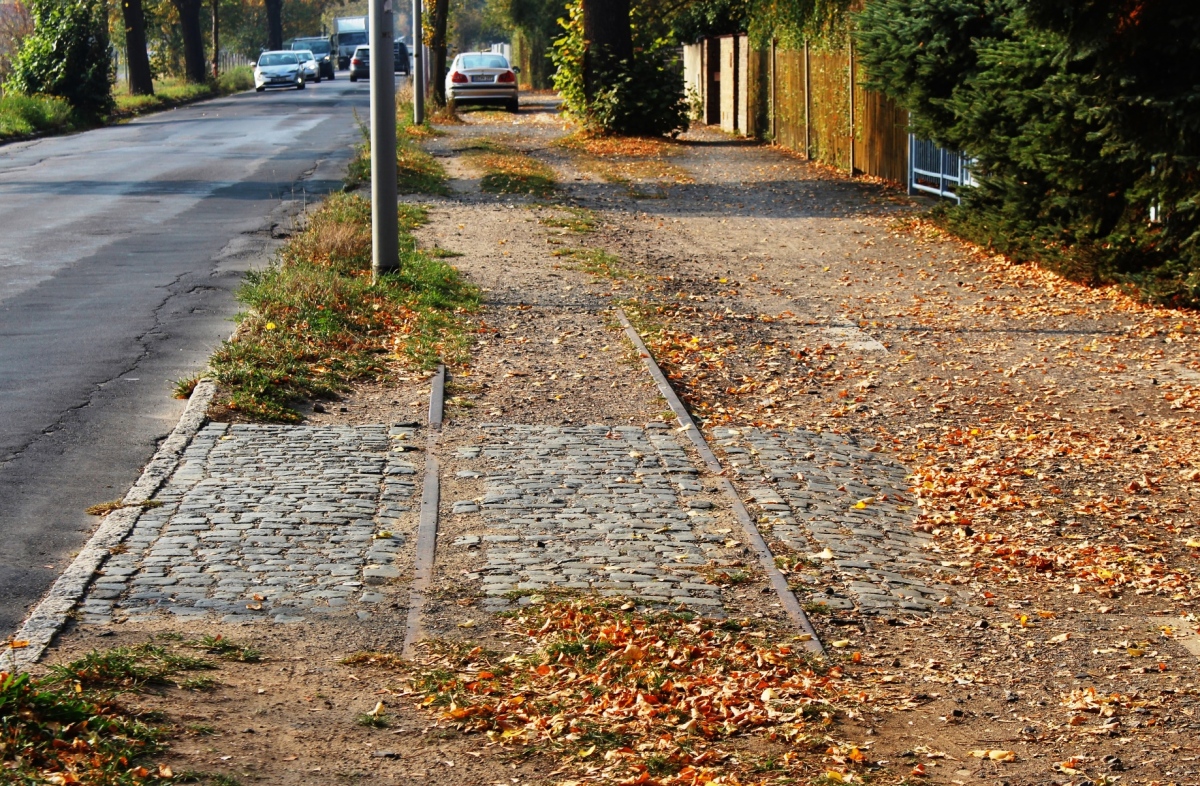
(934, 170)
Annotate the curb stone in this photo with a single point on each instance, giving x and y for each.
(48, 617)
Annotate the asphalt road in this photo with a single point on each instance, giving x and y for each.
(120, 251)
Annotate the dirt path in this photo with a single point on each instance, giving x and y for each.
(979, 480)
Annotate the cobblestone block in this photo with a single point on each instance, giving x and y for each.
(265, 515)
(590, 508)
(837, 494)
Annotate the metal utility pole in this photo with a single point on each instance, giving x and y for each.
(418, 78)
(385, 229)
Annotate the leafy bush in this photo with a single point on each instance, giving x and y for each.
(21, 115)
(67, 55)
(1083, 119)
(641, 96)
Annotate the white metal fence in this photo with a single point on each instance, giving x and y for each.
(934, 170)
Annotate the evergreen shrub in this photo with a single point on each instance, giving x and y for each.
(1083, 118)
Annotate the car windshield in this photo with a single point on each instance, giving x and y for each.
(362, 52)
(346, 39)
(483, 61)
(277, 59)
(304, 54)
(317, 47)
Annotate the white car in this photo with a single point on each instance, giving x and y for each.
(308, 63)
(482, 78)
(278, 69)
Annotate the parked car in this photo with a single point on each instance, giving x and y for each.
(401, 65)
(308, 63)
(482, 78)
(278, 69)
(321, 49)
(360, 63)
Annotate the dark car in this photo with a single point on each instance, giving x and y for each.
(360, 63)
(400, 50)
(321, 50)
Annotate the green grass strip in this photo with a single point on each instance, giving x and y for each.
(319, 322)
(417, 172)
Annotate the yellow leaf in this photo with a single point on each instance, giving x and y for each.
(1060, 638)
(1193, 544)
(995, 755)
(270, 326)
(588, 752)
(840, 644)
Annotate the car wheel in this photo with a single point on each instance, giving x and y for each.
(353, 78)
(300, 85)
(259, 89)
(514, 106)
(331, 76)
(318, 79)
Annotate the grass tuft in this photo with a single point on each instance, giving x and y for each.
(508, 171)
(594, 261)
(227, 650)
(577, 219)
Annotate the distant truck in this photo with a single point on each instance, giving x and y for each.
(348, 32)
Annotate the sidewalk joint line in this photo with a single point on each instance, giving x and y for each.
(427, 528)
(766, 558)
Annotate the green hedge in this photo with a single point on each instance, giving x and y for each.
(1083, 118)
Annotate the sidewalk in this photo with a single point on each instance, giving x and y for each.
(974, 477)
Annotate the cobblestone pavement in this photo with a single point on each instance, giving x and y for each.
(266, 522)
(611, 510)
(825, 493)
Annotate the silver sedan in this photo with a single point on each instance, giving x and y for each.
(482, 78)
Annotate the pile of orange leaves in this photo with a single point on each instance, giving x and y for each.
(656, 698)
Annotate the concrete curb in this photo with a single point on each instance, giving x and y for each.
(766, 559)
(48, 617)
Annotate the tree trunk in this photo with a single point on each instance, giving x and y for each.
(441, 12)
(193, 40)
(141, 79)
(608, 37)
(216, 35)
(274, 24)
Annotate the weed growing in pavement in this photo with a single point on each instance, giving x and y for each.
(126, 668)
(578, 219)
(319, 322)
(374, 720)
(186, 386)
(104, 508)
(227, 650)
(594, 261)
(508, 171)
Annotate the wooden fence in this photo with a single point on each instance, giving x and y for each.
(803, 100)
